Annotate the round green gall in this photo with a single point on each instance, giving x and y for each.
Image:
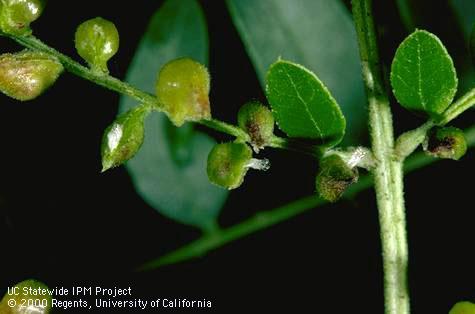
(123, 138)
(31, 296)
(17, 15)
(463, 307)
(446, 142)
(27, 74)
(228, 163)
(258, 122)
(183, 91)
(334, 177)
(97, 40)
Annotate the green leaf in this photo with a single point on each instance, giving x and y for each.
(423, 76)
(169, 171)
(318, 34)
(302, 105)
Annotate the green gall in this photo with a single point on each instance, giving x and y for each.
(228, 164)
(123, 138)
(17, 15)
(334, 177)
(446, 142)
(182, 89)
(97, 40)
(36, 303)
(26, 75)
(258, 122)
(463, 307)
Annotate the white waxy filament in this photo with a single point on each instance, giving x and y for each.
(259, 164)
(356, 157)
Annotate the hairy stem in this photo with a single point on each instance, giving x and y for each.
(266, 219)
(407, 143)
(387, 173)
(143, 97)
(462, 104)
(410, 140)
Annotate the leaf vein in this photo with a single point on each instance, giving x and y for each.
(304, 103)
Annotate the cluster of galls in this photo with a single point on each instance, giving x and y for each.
(27, 74)
(183, 94)
(228, 163)
(182, 90)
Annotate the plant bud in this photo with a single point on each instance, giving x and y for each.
(228, 164)
(97, 40)
(258, 122)
(27, 74)
(16, 15)
(25, 303)
(463, 307)
(446, 142)
(334, 176)
(123, 138)
(183, 88)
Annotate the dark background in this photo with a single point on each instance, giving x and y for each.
(66, 224)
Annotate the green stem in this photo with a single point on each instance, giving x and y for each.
(461, 105)
(407, 143)
(297, 145)
(124, 88)
(266, 219)
(96, 77)
(115, 84)
(388, 170)
(224, 127)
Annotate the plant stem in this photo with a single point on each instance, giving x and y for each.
(96, 77)
(462, 104)
(407, 143)
(297, 145)
(143, 97)
(410, 140)
(266, 219)
(388, 171)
